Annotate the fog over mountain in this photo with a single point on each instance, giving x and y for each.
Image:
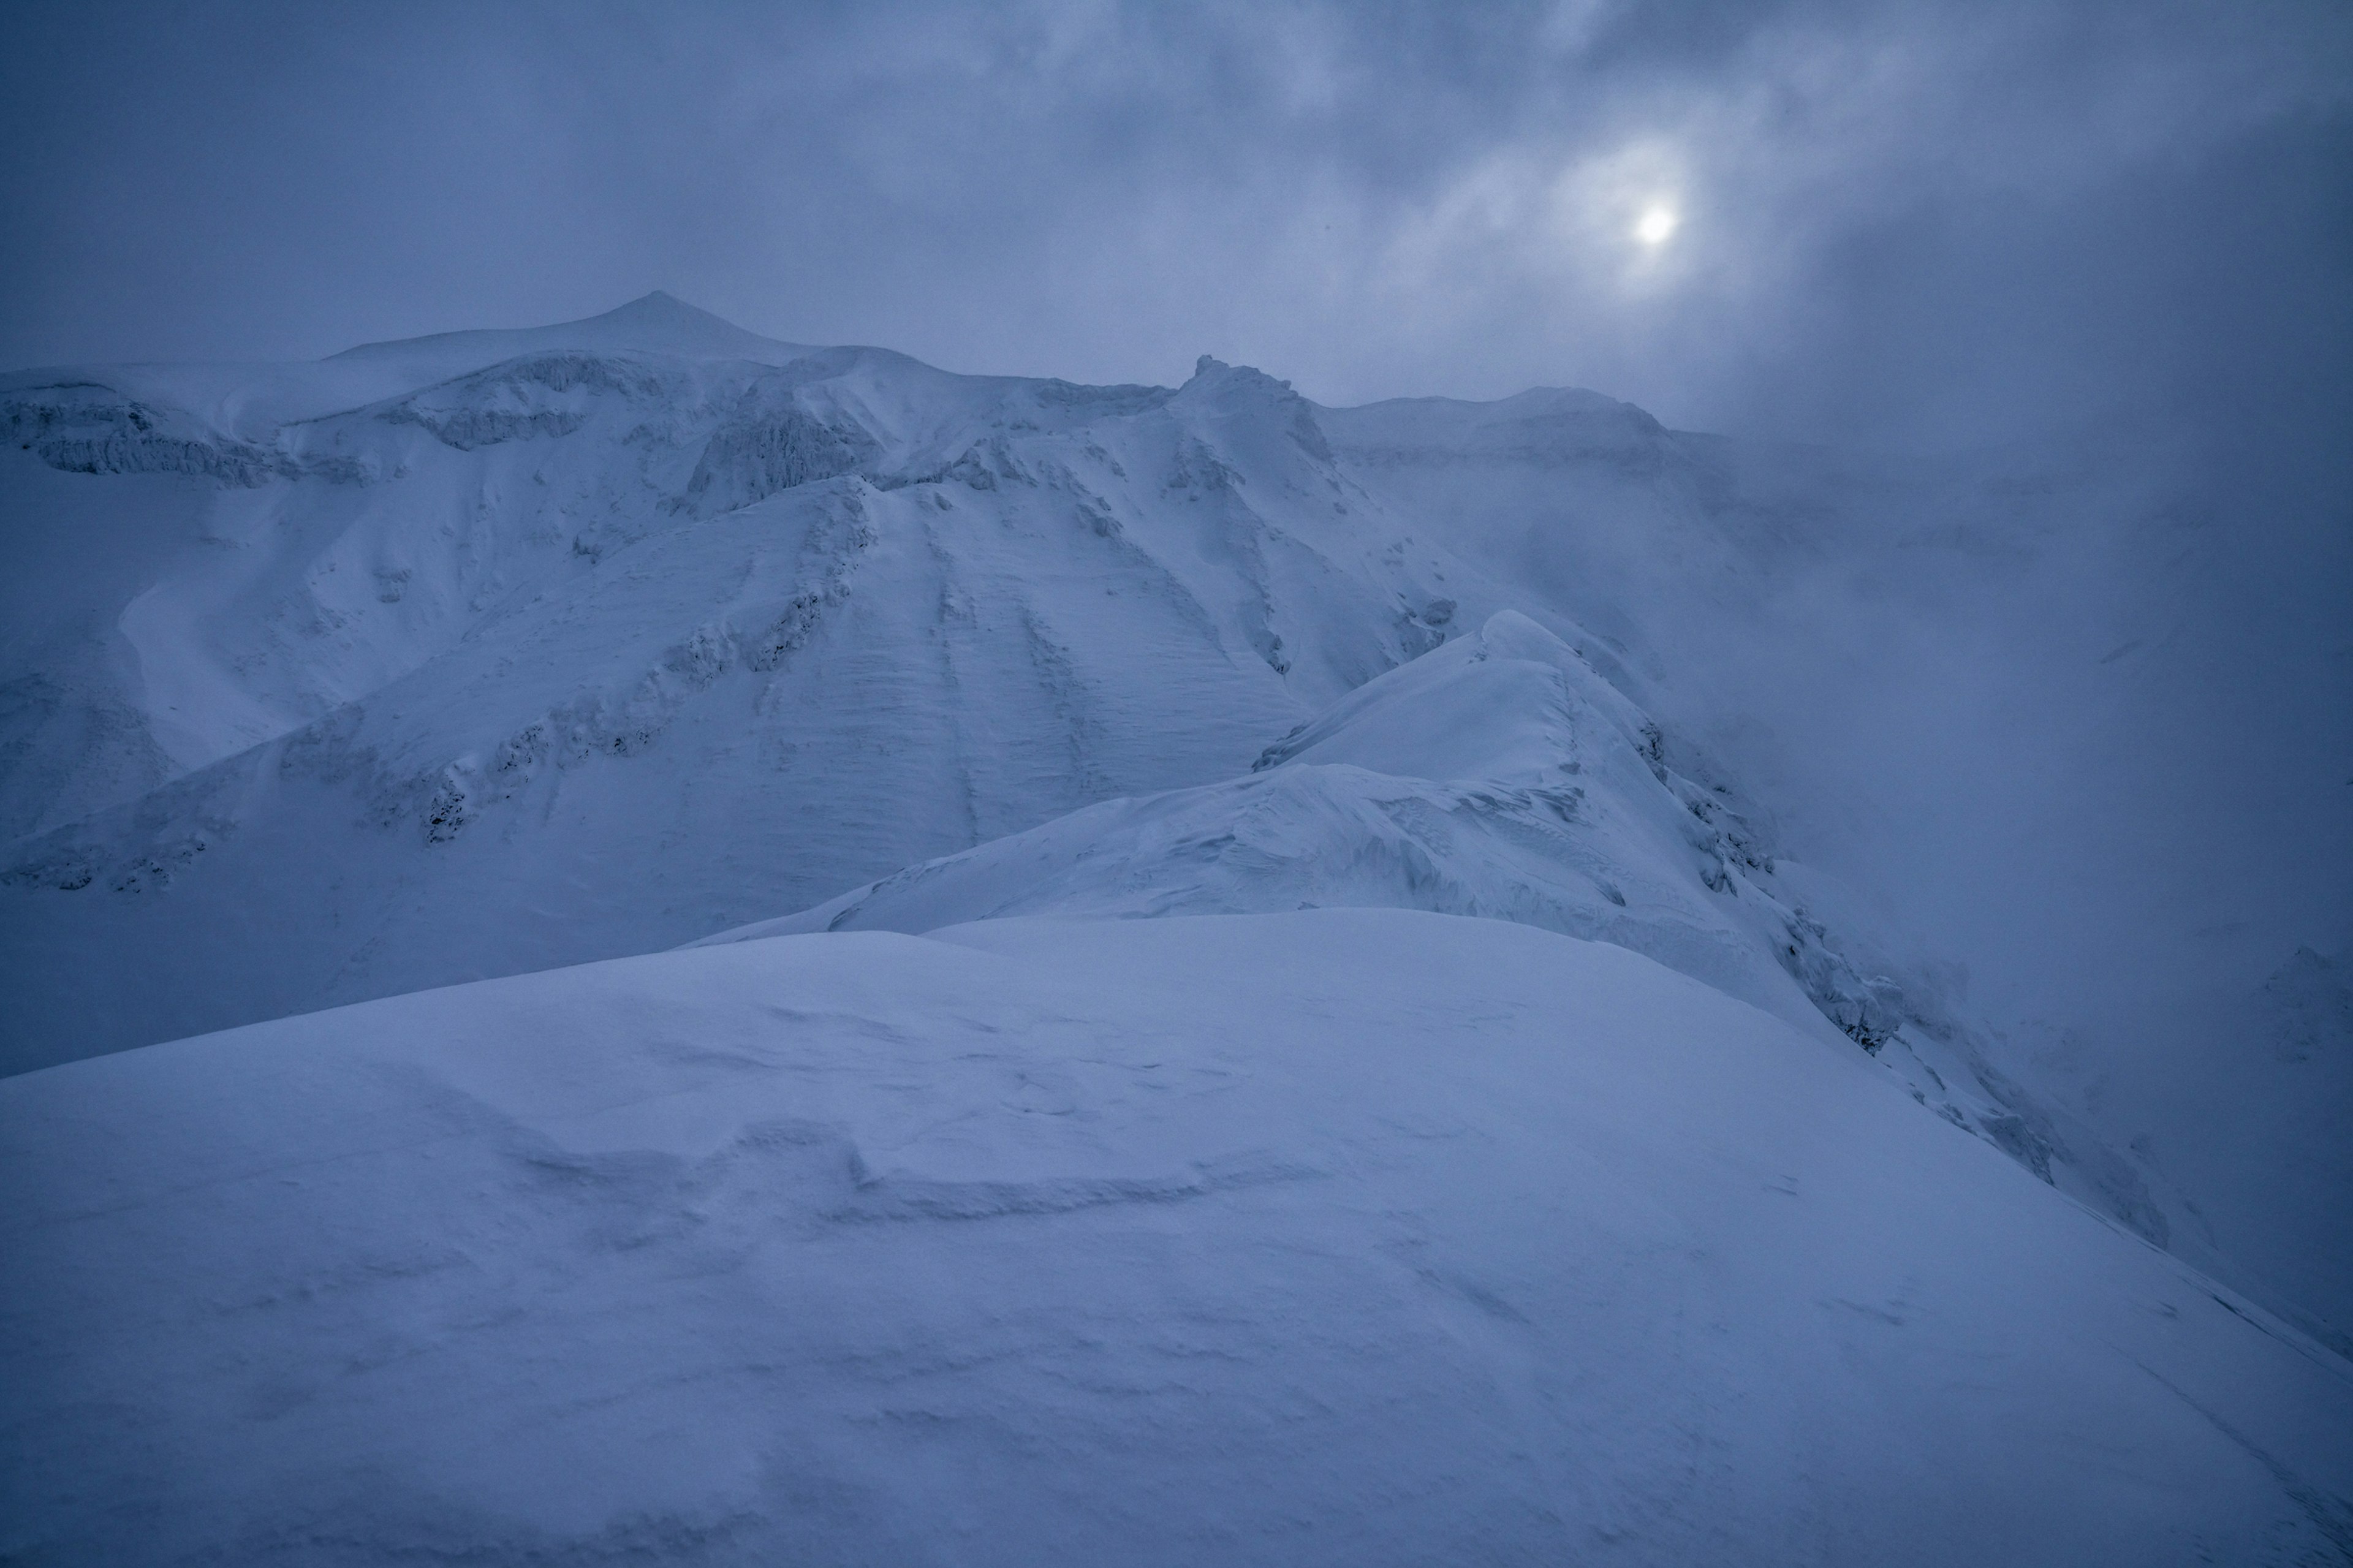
(1655, 873)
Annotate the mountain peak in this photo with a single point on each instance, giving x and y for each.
(662, 320)
(1214, 379)
(660, 305)
(657, 323)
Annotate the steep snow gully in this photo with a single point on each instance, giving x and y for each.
(1353, 1032)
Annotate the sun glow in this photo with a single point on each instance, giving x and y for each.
(1657, 222)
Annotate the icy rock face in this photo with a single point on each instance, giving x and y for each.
(767, 446)
(539, 396)
(87, 428)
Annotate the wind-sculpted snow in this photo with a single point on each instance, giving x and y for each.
(767, 446)
(1339, 1236)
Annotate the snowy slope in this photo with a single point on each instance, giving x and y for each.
(1499, 776)
(1496, 776)
(1329, 1237)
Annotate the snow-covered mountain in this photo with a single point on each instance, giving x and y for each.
(500, 652)
(591, 649)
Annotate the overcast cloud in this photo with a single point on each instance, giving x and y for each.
(1915, 224)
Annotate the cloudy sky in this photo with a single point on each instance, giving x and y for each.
(1905, 224)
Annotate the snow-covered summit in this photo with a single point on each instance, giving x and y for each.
(654, 323)
(1329, 1237)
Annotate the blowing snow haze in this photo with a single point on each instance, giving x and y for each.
(1656, 873)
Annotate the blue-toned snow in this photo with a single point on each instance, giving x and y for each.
(1338, 1237)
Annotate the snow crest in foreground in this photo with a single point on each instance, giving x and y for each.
(1338, 1237)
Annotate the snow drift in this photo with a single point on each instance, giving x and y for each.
(1329, 1237)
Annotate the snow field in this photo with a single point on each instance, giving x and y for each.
(1327, 1236)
